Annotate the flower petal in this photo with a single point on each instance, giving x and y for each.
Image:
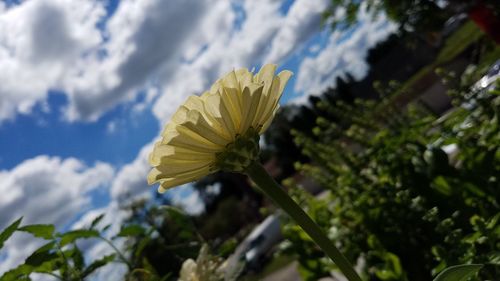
(161, 151)
(173, 167)
(244, 77)
(284, 77)
(216, 107)
(230, 80)
(216, 87)
(186, 138)
(251, 98)
(265, 74)
(231, 99)
(267, 103)
(182, 179)
(275, 92)
(197, 123)
(156, 175)
(269, 120)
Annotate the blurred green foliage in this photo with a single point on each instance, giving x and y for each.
(411, 15)
(417, 16)
(409, 193)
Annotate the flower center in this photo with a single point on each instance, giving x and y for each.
(239, 154)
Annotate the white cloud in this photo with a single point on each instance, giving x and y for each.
(229, 48)
(188, 199)
(39, 41)
(266, 35)
(111, 127)
(147, 39)
(302, 21)
(131, 181)
(56, 44)
(46, 190)
(175, 47)
(344, 53)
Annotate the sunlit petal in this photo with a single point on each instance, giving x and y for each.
(161, 151)
(284, 76)
(182, 179)
(251, 97)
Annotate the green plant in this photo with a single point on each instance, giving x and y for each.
(60, 257)
(153, 236)
(397, 201)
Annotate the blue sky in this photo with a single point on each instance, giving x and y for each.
(46, 133)
(86, 86)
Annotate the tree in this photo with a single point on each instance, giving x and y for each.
(419, 16)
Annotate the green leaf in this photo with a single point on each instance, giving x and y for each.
(22, 271)
(228, 247)
(43, 260)
(131, 230)
(385, 274)
(458, 272)
(493, 221)
(105, 228)
(7, 232)
(96, 221)
(148, 270)
(42, 255)
(45, 231)
(97, 264)
(77, 257)
(143, 274)
(72, 236)
(140, 247)
(441, 185)
(49, 266)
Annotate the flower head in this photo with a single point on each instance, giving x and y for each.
(218, 130)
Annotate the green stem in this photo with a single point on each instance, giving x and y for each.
(69, 268)
(267, 184)
(118, 252)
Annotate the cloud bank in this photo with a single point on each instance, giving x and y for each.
(169, 48)
(345, 53)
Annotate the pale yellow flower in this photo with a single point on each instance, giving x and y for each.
(205, 268)
(189, 271)
(237, 107)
